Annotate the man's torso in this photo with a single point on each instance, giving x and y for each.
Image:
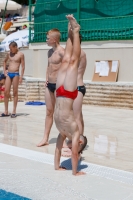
(54, 63)
(14, 62)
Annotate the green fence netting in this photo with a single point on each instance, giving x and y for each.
(99, 19)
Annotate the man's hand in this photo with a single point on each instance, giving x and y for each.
(46, 84)
(6, 72)
(20, 80)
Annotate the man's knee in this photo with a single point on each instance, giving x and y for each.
(7, 93)
(15, 93)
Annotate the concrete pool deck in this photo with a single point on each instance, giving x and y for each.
(28, 171)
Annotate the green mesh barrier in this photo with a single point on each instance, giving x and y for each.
(99, 19)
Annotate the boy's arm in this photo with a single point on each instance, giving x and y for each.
(22, 68)
(75, 155)
(59, 146)
(4, 64)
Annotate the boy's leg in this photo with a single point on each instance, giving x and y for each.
(8, 83)
(70, 82)
(65, 60)
(15, 84)
(50, 105)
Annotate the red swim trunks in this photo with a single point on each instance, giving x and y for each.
(61, 92)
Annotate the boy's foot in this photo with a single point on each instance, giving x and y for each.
(42, 143)
(74, 25)
(69, 28)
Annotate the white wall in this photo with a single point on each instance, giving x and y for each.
(29, 62)
(36, 58)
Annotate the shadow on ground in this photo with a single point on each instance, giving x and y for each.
(22, 114)
(52, 141)
(68, 165)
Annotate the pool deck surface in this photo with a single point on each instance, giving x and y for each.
(28, 171)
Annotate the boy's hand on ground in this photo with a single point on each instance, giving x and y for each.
(80, 173)
(62, 168)
(20, 80)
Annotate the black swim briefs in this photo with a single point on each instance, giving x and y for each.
(82, 89)
(51, 87)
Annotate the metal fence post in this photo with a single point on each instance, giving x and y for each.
(78, 10)
(30, 20)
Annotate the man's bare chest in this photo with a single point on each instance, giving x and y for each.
(55, 58)
(15, 59)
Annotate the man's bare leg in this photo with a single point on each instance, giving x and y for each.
(8, 83)
(50, 105)
(15, 83)
(49, 96)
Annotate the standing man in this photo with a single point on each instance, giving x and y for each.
(16, 58)
(55, 55)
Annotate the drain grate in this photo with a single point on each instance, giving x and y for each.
(93, 169)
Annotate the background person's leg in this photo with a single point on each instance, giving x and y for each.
(77, 109)
(8, 83)
(15, 83)
(50, 105)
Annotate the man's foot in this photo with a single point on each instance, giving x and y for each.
(13, 115)
(42, 143)
(4, 115)
(66, 152)
(74, 25)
